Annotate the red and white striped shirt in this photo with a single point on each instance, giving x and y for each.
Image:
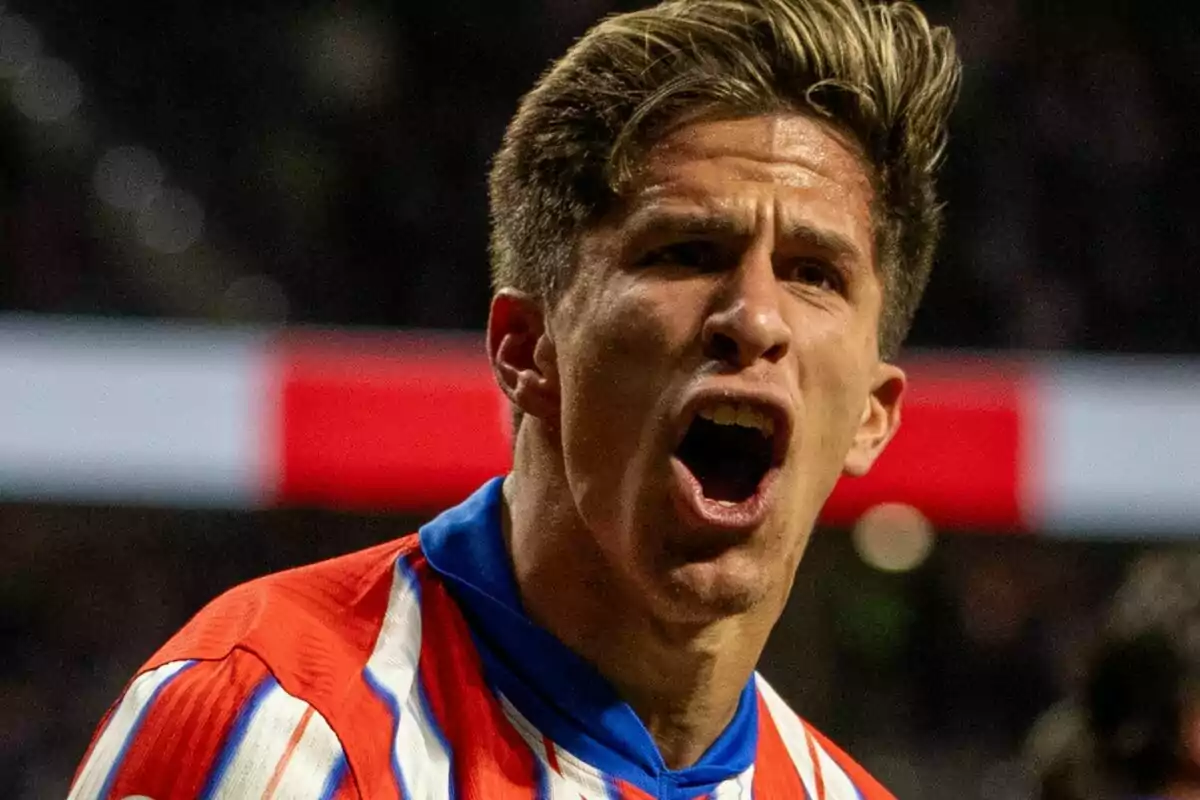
(361, 677)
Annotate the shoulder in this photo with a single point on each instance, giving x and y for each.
(820, 762)
(207, 728)
(308, 625)
(272, 666)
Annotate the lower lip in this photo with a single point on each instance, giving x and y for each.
(703, 512)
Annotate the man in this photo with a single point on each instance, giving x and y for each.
(1135, 726)
(712, 222)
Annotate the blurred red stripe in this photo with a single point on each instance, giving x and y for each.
(416, 423)
(958, 454)
(387, 421)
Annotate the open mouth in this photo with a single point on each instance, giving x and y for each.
(729, 448)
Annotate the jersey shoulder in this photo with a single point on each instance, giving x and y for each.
(219, 728)
(263, 686)
(308, 625)
(823, 766)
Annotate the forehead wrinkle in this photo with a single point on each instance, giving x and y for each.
(703, 211)
(685, 208)
(790, 171)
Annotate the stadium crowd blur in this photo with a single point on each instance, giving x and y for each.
(324, 163)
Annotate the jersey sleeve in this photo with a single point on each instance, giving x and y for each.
(212, 729)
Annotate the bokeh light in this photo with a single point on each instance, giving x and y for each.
(349, 59)
(20, 44)
(893, 537)
(47, 90)
(171, 222)
(128, 177)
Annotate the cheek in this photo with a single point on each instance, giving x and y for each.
(632, 321)
(613, 375)
(621, 344)
(834, 387)
(609, 340)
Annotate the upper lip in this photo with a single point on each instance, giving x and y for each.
(772, 403)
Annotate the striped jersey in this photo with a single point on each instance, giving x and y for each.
(410, 671)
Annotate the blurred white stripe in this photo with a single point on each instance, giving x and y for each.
(1116, 447)
(101, 411)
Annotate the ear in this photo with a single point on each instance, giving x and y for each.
(522, 353)
(880, 419)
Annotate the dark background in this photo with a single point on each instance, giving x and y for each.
(339, 154)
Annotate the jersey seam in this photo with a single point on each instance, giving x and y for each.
(308, 703)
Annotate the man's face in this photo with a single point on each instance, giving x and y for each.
(717, 361)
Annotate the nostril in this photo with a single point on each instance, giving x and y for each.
(722, 347)
(775, 353)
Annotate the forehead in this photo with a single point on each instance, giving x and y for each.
(778, 143)
(795, 164)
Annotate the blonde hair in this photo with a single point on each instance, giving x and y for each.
(878, 72)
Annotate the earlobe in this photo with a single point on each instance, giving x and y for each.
(879, 421)
(522, 353)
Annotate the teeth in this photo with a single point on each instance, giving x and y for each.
(727, 503)
(739, 414)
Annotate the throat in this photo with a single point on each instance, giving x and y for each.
(684, 727)
(683, 681)
(682, 746)
(688, 694)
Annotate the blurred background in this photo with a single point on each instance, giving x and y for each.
(216, 218)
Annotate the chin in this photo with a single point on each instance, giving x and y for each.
(707, 591)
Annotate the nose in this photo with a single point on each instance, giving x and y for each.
(747, 322)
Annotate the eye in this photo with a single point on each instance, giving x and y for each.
(815, 273)
(692, 254)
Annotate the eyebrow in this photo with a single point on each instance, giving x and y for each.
(657, 221)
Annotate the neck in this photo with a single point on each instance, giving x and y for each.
(684, 681)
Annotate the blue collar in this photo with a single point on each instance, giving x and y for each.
(556, 690)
